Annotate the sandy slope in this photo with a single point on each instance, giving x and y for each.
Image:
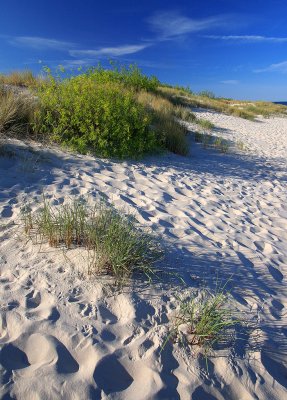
(63, 337)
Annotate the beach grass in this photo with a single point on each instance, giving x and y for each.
(16, 114)
(114, 113)
(204, 320)
(116, 244)
(25, 78)
(243, 109)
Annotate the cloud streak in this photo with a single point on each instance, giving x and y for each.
(230, 82)
(279, 67)
(169, 25)
(40, 43)
(248, 38)
(110, 51)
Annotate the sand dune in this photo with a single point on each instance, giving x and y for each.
(66, 337)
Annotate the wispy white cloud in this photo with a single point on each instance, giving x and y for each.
(110, 51)
(248, 38)
(230, 82)
(279, 67)
(40, 42)
(168, 25)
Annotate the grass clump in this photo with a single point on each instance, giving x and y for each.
(170, 133)
(114, 241)
(16, 113)
(204, 320)
(210, 141)
(24, 78)
(204, 123)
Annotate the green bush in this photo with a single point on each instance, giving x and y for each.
(129, 76)
(89, 114)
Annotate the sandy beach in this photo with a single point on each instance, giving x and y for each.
(218, 216)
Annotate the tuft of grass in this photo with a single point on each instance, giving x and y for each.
(24, 78)
(207, 93)
(115, 242)
(204, 123)
(209, 140)
(221, 144)
(170, 133)
(241, 145)
(16, 113)
(184, 113)
(203, 320)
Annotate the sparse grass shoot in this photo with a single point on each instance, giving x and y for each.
(204, 320)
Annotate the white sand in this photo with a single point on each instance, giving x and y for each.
(63, 337)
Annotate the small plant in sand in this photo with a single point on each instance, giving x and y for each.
(221, 144)
(203, 321)
(241, 145)
(206, 140)
(184, 113)
(198, 137)
(204, 123)
(113, 239)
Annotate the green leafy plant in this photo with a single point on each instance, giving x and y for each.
(102, 118)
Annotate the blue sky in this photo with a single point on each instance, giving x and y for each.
(234, 48)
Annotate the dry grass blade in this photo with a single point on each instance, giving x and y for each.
(15, 114)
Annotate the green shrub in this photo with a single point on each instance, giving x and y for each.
(131, 77)
(114, 241)
(103, 118)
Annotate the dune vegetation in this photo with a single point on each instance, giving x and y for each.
(117, 112)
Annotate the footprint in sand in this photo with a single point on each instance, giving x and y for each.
(7, 212)
(106, 315)
(88, 310)
(41, 308)
(33, 299)
(102, 375)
